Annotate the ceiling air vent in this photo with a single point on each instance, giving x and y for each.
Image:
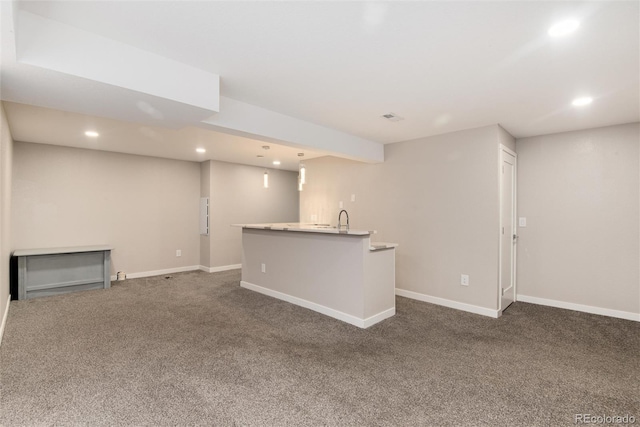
(392, 117)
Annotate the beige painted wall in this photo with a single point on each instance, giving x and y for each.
(6, 153)
(580, 194)
(145, 207)
(237, 196)
(437, 197)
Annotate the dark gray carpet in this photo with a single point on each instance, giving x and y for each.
(199, 350)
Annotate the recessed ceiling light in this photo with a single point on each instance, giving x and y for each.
(201, 150)
(563, 28)
(580, 102)
(276, 162)
(92, 133)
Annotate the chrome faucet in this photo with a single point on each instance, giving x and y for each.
(340, 216)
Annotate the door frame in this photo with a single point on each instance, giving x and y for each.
(501, 149)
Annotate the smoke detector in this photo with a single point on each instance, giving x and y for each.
(392, 117)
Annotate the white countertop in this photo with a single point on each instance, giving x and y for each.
(307, 228)
(68, 250)
(378, 246)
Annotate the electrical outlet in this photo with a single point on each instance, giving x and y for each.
(314, 218)
(178, 252)
(264, 268)
(464, 279)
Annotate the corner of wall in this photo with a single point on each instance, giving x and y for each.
(505, 138)
(6, 166)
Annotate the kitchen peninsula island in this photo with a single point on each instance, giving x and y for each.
(339, 273)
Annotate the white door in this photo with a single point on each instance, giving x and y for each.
(508, 238)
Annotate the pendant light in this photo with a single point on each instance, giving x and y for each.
(303, 170)
(265, 176)
(299, 184)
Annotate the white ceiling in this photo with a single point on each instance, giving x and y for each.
(67, 129)
(443, 66)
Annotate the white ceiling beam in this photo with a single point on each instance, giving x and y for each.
(247, 120)
(53, 45)
(56, 47)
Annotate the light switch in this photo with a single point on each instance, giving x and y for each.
(353, 197)
(341, 205)
(522, 222)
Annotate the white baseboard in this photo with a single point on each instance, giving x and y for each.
(347, 318)
(580, 307)
(4, 319)
(159, 272)
(376, 318)
(220, 268)
(449, 303)
(180, 270)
